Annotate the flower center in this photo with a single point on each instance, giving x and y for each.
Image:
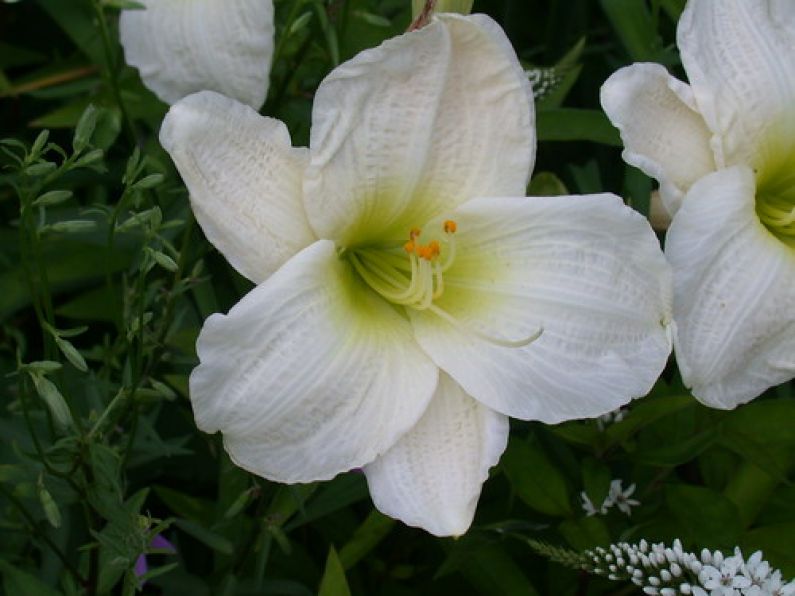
(775, 196)
(412, 276)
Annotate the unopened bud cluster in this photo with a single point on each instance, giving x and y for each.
(668, 571)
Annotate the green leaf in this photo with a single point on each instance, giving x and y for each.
(150, 181)
(645, 413)
(536, 480)
(77, 20)
(163, 260)
(71, 354)
(210, 539)
(633, 23)
(344, 490)
(333, 582)
(596, 478)
(187, 506)
(48, 504)
(85, 129)
(704, 516)
(585, 532)
(488, 568)
(570, 124)
(21, 583)
(49, 393)
(367, 536)
(777, 542)
(546, 184)
(54, 197)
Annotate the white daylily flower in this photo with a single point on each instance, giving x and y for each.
(723, 150)
(184, 46)
(399, 319)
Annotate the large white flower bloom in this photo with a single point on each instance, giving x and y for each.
(184, 46)
(723, 150)
(399, 319)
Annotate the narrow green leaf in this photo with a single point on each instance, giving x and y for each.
(52, 397)
(333, 582)
(71, 354)
(208, 538)
(54, 197)
(150, 181)
(366, 537)
(48, 504)
(84, 129)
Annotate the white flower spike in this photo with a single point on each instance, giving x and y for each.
(723, 150)
(400, 317)
(184, 46)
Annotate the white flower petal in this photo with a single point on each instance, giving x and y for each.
(310, 374)
(734, 293)
(588, 270)
(244, 179)
(415, 126)
(739, 60)
(181, 47)
(431, 478)
(662, 132)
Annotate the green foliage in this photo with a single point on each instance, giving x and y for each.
(105, 280)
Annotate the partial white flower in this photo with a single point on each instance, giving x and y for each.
(183, 46)
(616, 497)
(620, 497)
(723, 150)
(588, 507)
(400, 317)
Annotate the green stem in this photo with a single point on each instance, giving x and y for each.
(47, 540)
(112, 71)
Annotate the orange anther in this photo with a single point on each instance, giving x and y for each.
(414, 233)
(409, 247)
(434, 247)
(425, 252)
(450, 226)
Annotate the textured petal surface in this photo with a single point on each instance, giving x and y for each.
(416, 126)
(432, 476)
(663, 135)
(734, 293)
(739, 58)
(309, 374)
(588, 270)
(244, 179)
(181, 47)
